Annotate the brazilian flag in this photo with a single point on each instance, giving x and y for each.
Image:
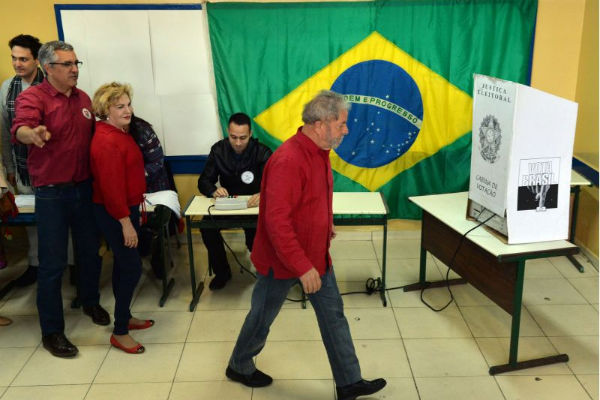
(405, 66)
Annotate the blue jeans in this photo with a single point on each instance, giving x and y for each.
(58, 208)
(268, 297)
(127, 267)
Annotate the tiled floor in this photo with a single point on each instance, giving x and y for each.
(422, 354)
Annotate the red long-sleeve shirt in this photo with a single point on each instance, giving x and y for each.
(66, 156)
(295, 221)
(118, 170)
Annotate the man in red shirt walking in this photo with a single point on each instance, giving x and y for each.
(55, 120)
(295, 228)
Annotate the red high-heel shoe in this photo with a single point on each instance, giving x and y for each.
(137, 349)
(147, 324)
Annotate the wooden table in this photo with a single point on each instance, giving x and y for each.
(495, 268)
(349, 208)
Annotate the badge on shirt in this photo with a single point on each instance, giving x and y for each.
(247, 177)
(86, 113)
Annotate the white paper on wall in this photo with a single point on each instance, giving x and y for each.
(187, 124)
(177, 68)
(165, 56)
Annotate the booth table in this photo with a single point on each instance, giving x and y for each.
(495, 268)
(349, 208)
(577, 181)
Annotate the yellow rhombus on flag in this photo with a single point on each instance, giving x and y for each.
(447, 110)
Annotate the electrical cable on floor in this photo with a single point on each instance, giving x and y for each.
(447, 279)
(372, 285)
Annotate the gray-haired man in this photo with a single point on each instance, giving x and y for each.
(295, 228)
(54, 118)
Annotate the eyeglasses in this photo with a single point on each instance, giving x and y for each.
(68, 64)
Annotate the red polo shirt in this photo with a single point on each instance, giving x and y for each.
(295, 220)
(118, 169)
(66, 156)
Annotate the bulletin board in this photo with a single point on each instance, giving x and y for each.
(163, 52)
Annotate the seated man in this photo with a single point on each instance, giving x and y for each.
(237, 163)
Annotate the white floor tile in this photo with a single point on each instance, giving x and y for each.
(13, 361)
(398, 248)
(396, 388)
(372, 323)
(294, 324)
(541, 387)
(588, 287)
(425, 323)
(550, 291)
(356, 270)
(23, 332)
(308, 389)
(582, 351)
(54, 392)
(45, 369)
(566, 320)
(590, 384)
(204, 361)
(294, 360)
(146, 391)
(541, 268)
(352, 250)
(211, 390)
(157, 364)
(382, 358)
(445, 357)
(459, 388)
(568, 269)
(496, 351)
(213, 326)
(492, 321)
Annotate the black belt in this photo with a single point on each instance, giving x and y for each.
(61, 185)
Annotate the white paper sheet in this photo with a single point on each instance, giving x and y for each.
(180, 58)
(190, 124)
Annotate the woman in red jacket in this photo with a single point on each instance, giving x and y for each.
(119, 184)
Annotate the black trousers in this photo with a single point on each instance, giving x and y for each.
(217, 259)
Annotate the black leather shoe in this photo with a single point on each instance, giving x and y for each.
(257, 379)
(360, 388)
(98, 314)
(219, 282)
(59, 345)
(28, 277)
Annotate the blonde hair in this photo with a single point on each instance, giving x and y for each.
(107, 95)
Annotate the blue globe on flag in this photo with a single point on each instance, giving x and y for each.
(386, 114)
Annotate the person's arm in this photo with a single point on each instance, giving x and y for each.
(37, 136)
(27, 126)
(154, 157)
(7, 159)
(263, 157)
(283, 189)
(209, 176)
(109, 171)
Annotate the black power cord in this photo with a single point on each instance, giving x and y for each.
(372, 285)
(447, 279)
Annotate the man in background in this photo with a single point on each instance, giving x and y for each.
(236, 163)
(24, 53)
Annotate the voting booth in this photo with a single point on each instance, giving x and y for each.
(521, 160)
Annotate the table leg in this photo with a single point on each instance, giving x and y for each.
(575, 190)
(383, 264)
(513, 364)
(164, 243)
(196, 291)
